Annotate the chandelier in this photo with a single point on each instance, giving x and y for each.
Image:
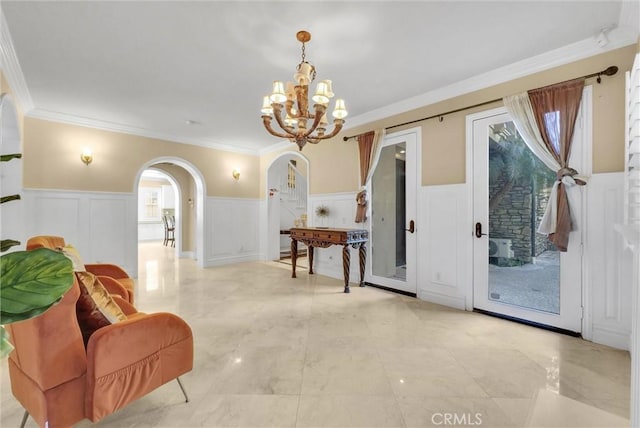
(290, 105)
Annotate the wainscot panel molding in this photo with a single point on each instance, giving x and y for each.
(608, 292)
(150, 231)
(342, 214)
(232, 226)
(101, 225)
(443, 239)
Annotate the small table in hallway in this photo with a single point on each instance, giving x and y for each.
(323, 238)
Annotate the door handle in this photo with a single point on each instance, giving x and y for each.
(479, 233)
(412, 225)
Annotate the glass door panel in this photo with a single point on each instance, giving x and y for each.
(393, 187)
(517, 272)
(524, 267)
(389, 244)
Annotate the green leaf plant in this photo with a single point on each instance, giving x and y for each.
(30, 281)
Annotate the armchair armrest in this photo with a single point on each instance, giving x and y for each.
(106, 269)
(129, 342)
(129, 359)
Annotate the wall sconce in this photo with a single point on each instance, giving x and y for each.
(86, 156)
(236, 174)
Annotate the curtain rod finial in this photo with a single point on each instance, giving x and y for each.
(610, 71)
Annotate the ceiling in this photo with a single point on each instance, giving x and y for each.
(195, 72)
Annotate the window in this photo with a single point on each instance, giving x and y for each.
(150, 203)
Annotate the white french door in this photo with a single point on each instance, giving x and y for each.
(516, 272)
(392, 245)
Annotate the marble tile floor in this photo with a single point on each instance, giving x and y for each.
(272, 351)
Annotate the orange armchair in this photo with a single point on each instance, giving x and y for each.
(59, 383)
(113, 277)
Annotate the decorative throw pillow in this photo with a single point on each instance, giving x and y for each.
(72, 254)
(95, 307)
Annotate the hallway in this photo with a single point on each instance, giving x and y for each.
(275, 351)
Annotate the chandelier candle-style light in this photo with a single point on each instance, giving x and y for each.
(290, 105)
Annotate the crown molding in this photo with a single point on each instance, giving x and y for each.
(70, 119)
(284, 144)
(10, 66)
(618, 38)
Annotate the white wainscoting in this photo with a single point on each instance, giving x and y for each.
(150, 231)
(342, 214)
(443, 242)
(608, 267)
(102, 226)
(232, 230)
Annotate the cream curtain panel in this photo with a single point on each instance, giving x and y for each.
(369, 145)
(545, 118)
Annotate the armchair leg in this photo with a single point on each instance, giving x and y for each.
(24, 419)
(186, 397)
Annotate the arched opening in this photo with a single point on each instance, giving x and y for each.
(287, 195)
(188, 207)
(159, 197)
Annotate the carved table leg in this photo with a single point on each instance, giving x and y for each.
(346, 264)
(363, 259)
(294, 256)
(310, 251)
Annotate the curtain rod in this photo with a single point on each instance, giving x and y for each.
(609, 71)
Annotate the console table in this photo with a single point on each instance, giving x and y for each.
(323, 238)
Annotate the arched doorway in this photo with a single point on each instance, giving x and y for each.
(159, 197)
(189, 207)
(287, 194)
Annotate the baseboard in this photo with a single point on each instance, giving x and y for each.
(221, 261)
(455, 302)
(354, 274)
(611, 337)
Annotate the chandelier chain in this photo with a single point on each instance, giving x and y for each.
(304, 61)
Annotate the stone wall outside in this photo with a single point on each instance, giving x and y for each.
(512, 219)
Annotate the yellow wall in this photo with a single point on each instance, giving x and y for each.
(52, 160)
(334, 164)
